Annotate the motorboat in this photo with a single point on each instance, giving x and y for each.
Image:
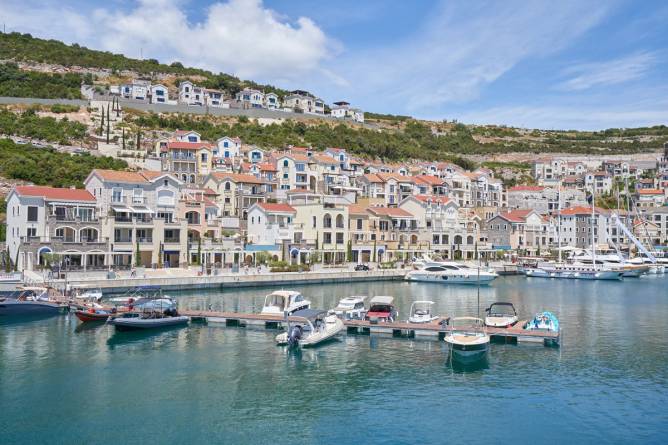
(576, 271)
(451, 272)
(421, 312)
(544, 321)
(150, 313)
(610, 260)
(87, 294)
(147, 320)
(350, 308)
(467, 339)
(137, 295)
(310, 327)
(284, 301)
(31, 301)
(94, 314)
(381, 309)
(500, 315)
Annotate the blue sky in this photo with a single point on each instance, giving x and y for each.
(565, 64)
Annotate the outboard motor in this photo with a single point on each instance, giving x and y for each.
(294, 335)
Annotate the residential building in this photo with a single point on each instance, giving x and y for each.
(250, 98)
(159, 94)
(272, 101)
(600, 181)
(271, 225)
(342, 110)
(544, 199)
(237, 192)
(647, 198)
(303, 102)
(187, 160)
(137, 90)
(56, 221)
(523, 229)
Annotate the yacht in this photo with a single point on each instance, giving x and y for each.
(467, 339)
(31, 300)
(451, 272)
(550, 269)
(350, 308)
(421, 312)
(610, 260)
(500, 315)
(281, 301)
(310, 327)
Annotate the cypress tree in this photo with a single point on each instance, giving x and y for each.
(123, 138)
(102, 121)
(139, 139)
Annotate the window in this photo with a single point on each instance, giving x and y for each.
(137, 196)
(227, 186)
(165, 182)
(339, 237)
(315, 222)
(116, 195)
(204, 157)
(31, 232)
(285, 163)
(359, 224)
(327, 238)
(300, 167)
(32, 214)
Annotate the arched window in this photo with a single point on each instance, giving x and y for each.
(285, 163)
(227, 185)
(458, 239)
(327, 221)
(339, 221)
(469, 239)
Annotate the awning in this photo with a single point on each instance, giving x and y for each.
(138, 209)
(121, 209)
(262, 248)
(72, 204)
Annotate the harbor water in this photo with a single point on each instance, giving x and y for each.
(608, 382)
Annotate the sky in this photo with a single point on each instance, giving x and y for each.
(568, 64)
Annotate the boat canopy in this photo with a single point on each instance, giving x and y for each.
(382, 300)
(502, 308)
(310, 314)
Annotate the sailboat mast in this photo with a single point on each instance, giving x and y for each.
(559, 219)
(593, 215)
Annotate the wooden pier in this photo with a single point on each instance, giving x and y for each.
(399, 329)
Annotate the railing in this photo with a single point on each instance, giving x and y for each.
(146, 239)
(122, 239)
(173, 240)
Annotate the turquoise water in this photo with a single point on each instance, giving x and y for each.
(608, 381)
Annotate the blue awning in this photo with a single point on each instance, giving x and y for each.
(501, 247)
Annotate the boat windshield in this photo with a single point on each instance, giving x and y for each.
(466, 325)
(381, 308)
(275, 301)
(434, 268)
(297, 298)
(501, 310)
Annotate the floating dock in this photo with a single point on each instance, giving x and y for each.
(399, 329)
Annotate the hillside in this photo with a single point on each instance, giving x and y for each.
(388, 137)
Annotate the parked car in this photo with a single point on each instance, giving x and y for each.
(359, 267)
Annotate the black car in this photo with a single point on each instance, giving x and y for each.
(359, 267)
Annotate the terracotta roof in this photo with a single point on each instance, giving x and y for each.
(372, 177)
(188, 145)
(53, 193)
(526, 188)
(428, 179)
(276, 207)
(517, 215)
(579, 210)
(430, 198)
(390, 211)
(184, 132)
(650, 192)
(267, 167)
(237, 177)
(324, 159)
(294, 156)
(357, 209)
(396, 176)
(120, 176)
(152, 174)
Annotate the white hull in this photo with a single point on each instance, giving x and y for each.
(332, 328)
(448, 278)
(500, 322)
(147, 323)
(574, 275)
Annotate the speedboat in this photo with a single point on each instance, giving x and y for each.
(350, 308)
(148, 320)
(467, 339)
(85, 294)
(500, 315)
(451, 272)
(31, 301)
(309, 327)
(609, 260)
(381, 309)
(93, 314)
(544, 321)
(421, 312)
(281, 301)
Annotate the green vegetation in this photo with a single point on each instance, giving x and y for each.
(17, 83)
(29, 124)
(24, 47)
(61, 108)
(494, 165)
(385, 117)
(45, 166)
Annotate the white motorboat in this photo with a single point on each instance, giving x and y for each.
(544, 321)
(381, 309)
(31, 301)
(421, 312)
(86, 294)
(281, 301)
(310, 327)
(500, 315)
(350, 308)
(467, 339)
(451, 272)
(609, 260)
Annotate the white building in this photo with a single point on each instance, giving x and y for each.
(270, 224)
(159, 94)
(250, 98)
(137, 89)
(302, 102)
(342, 110)
(272, 101)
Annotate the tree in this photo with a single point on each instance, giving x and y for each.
(199, 251)
(349, 251)
(102, 120)
(138, 139)
(8, 261)
(137, 256)
(317, 241)
(123, 138)
(374, 258)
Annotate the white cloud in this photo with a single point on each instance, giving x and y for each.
(241, 37)
(464, 48)
(588, 75)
